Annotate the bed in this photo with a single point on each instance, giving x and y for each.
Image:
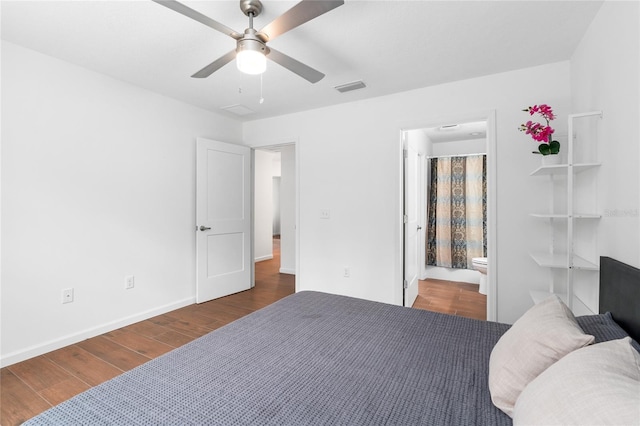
(315, 358)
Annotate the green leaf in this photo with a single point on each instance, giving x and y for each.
(544, 149)
(554, 147)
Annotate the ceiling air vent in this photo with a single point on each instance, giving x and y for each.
(354, 85)
(237, 109)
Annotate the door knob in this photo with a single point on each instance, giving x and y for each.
(419, 227)
(204, 228)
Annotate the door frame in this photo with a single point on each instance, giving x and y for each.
(492, 196)
(266, 145)
(408, 288)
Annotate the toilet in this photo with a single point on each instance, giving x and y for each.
(480, 265)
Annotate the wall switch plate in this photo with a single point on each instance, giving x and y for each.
(347, 272)
(129, 282)
(67, 295)
(325, 213)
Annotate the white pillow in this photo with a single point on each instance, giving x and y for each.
(544, 334)
(597, 385)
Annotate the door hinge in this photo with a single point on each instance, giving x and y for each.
(405, 284)
(405, 218)
(405, 153)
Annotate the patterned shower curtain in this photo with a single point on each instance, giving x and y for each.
(457, 212)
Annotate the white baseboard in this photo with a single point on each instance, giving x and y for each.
(287, 271)
(261, 258)
(52, 345)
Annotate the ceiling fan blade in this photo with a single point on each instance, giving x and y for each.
(190, 13)
(302, 12)
(215, 65)
(294, 66)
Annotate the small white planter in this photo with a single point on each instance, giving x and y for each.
(551, 160)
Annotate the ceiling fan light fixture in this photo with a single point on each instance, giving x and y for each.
(251, 62)
(251, 56)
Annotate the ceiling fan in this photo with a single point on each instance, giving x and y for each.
(251, 50)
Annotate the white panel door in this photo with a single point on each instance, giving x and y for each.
(411, 227)
(223, 219)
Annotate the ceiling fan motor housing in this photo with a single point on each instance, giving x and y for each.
(250, 41)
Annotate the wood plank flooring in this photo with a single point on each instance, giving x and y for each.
(451, 297)
(30, 387)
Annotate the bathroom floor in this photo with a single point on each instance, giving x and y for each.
(451, 297)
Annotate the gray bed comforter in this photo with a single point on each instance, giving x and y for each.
(308, 359)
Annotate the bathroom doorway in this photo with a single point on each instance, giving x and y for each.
(456, 137)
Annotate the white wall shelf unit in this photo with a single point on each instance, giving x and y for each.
(566, 216)
(563, 169)
(564, 258)
(579, 308)
(561, 261)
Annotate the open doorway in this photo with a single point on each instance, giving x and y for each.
(459, 141)
(275, 205)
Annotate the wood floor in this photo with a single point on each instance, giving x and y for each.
(30, 387)
(450, 297)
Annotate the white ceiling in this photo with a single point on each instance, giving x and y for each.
(392, 46)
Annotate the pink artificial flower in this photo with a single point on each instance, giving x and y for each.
(544, 110)
(538, 131)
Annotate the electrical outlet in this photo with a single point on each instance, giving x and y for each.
(129, 282)
(325, 213)
(67, 295)
(347, 272)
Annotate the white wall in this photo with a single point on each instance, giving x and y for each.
(277, 164)
(277, 173)
(263, 207)
(469, 146)
(352, 167)
(276, 205)
(604, 76)
(98, 182)
(288, 210)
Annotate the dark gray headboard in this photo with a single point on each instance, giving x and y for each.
(620, 294)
